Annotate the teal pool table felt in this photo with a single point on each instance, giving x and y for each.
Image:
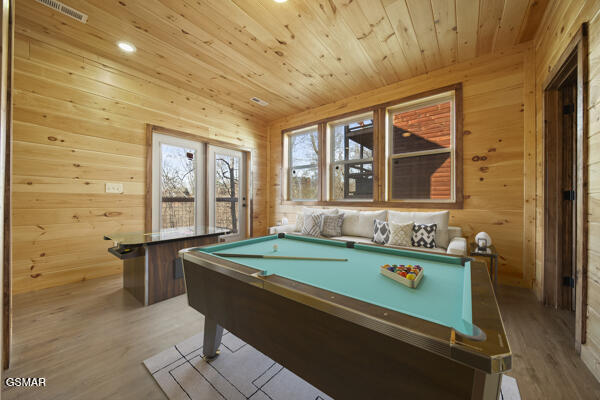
(443, 295)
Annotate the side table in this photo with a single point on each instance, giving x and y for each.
(493, 255)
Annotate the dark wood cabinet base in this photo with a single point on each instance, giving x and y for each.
(154, 272)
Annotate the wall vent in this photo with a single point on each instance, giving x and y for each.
(259, 101)
(64, 9)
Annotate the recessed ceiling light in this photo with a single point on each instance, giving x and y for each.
(280, 1)
(126, 47)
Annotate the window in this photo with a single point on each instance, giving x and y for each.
(226, 190)
(408, 151)
(227, 186)
(351, 158)
(304, 164)
(177, 181)
(421, 136)
(194, 184)
(177, 187)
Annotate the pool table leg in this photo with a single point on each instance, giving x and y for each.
(213, 333)
(486, 386)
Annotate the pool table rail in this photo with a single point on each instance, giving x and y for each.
(490, 356)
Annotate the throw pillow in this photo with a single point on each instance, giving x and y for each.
(299, 222)
(424, 235)
(440, 218)
(312, 225)
(401, 234)
(331, 225)
(381, 232)
(350, 221)
(361, 223)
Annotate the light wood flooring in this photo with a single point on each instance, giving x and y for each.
(89, 340)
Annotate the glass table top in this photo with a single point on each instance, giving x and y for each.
(138, 238)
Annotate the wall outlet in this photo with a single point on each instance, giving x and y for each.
(114, 187)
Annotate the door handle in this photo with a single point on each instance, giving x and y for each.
(569, 195)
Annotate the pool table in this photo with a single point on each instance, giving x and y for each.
(346, 328)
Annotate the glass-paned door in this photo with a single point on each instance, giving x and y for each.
(227, 191)
(178, 190)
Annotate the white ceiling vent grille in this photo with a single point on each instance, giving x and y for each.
(64, 9)
(259, 101)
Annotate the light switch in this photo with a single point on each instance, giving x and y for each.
(114, 187)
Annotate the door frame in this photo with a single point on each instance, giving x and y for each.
(248, 153)
(574, 56)
(7, 35)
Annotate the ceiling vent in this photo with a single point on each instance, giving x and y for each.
(259, 101)
(64, 9)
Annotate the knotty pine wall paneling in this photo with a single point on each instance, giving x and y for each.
(561, 22)
(79, 122)
(498, 107)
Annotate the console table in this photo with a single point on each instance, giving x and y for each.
(152, 270)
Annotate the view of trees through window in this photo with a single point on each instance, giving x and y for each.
(352, 163)
(227, 189)
(178, 187)
(418, 158)
(304, 165)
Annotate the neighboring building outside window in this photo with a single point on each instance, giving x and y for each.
(421, 136)
(407, 151)
(351, 158)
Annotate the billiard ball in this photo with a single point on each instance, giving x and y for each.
(275, 247)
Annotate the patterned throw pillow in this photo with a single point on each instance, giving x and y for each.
(401, 234)
(299, 222)
(331, 225)
(312, 225)
(424, 235)
(381, 232)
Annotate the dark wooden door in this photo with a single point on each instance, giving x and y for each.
(568, 179)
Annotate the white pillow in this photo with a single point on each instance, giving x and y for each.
(361, 223)
(327, 211)
(350, 220)
(299, 222)
(440, 218)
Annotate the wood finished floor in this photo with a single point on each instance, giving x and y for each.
(89, 339)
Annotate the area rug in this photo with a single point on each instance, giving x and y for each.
(240, 372)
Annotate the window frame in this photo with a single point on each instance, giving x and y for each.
(311, 128)
(381, 164)
(390, 157)
(248, 152)
(331, 163)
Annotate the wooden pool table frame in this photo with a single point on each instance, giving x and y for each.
(346, 347)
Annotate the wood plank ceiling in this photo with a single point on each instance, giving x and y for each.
(294, 55)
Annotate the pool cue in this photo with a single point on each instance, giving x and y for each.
(278, 257)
